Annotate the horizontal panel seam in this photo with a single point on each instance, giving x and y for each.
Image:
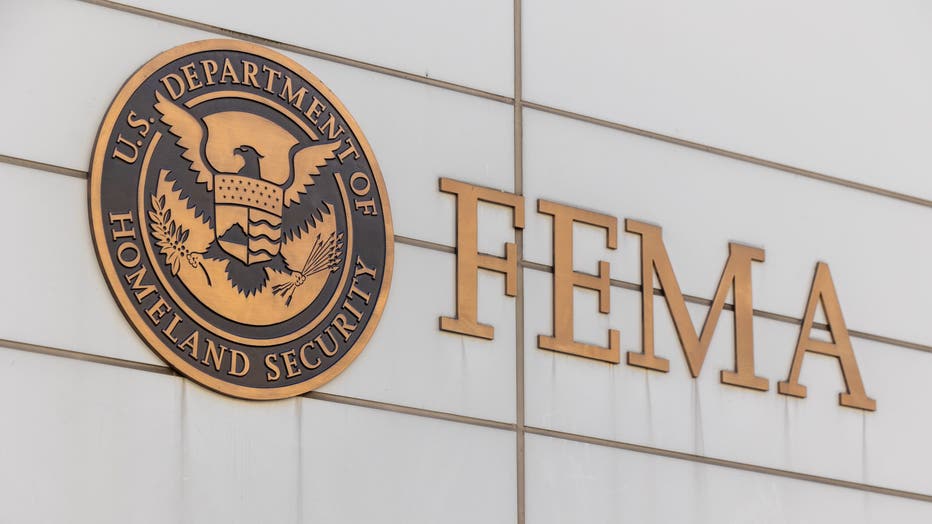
(408, 410)
(316, 395)
(621, 284)
(511, 101)
(786, 168)
(435, 246)
(359, 64)
(32, 164)
(164, 370)
(443, 248)
(475, 421)
(689, 457)
(86, 357)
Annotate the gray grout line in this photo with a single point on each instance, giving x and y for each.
(511, 101)
(519, 386)
(858, 486)
(539, 267)
(32, 164)
(866, 336)
(520, 440)
(732, 155)
(328, 397)
(300, 50)
(757, 312)
(86, 357)
(475, 421)
(424, 244)
(406, 410)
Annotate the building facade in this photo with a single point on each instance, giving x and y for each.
(794, 131)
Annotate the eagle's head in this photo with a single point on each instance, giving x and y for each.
(250, 161)
(247, 152)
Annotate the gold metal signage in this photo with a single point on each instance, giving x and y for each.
(240, 219)
(736, 277)
(242, 224)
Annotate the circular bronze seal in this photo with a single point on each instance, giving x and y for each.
(240, 219)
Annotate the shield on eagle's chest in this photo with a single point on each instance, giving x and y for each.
(248, 212)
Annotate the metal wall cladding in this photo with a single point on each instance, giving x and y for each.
(575, 482)
(763, 80)
(429, 426)
(702, 416)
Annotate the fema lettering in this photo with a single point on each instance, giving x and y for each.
(736, 277)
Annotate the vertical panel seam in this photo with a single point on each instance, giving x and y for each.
(182, 451)
(517, 98)
(299, 409)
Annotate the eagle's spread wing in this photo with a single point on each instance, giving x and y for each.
(190, 135)
(307, 163)
(304, 207)
(192, 139)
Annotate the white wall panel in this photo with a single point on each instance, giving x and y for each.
(421, 133)
(363, 465)
(899, 434)
(701, 416)
(410, 361)
(87, 443)
(76, 57)
(703, 201)
(241, 458)
(767, 79)
(418, 132)
(54, 293)
(574, 482)
(468, 43)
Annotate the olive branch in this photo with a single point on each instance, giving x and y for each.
(171, 238)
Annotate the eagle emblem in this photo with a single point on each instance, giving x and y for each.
(251, 182)
(240, 219)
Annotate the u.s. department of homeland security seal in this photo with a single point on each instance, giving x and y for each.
(240, 219)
